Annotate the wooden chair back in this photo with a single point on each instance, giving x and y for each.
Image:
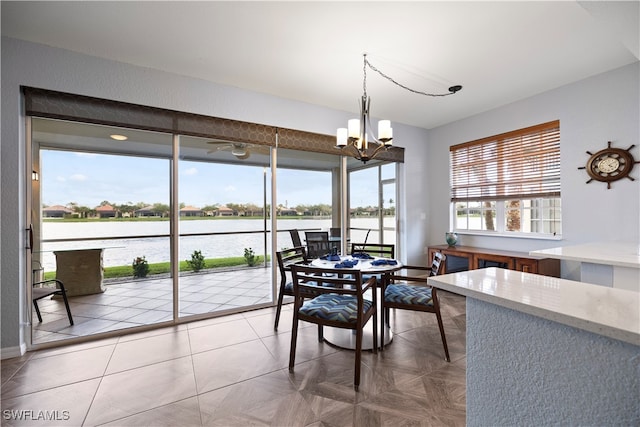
(317, 243)
(383, 250)
(336, 300)
(295, 238)
(286, 258)
(437, 264)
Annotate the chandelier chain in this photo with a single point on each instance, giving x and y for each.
(367, 63)
(364, 71)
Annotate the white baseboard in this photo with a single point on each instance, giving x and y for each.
(10, 352)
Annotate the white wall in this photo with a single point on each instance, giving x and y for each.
(591, 112)
(414, 196)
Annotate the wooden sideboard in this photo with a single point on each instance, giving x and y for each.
(463, 258)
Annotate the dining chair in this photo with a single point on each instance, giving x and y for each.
(360, 245)
(295, 237)
(338, 302)
(383, 250)
(317, 243)
(286, 258)
(406, 289)
(44, 289)
(335, 232)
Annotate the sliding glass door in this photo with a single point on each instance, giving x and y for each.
(307, 197)
(372, 203)
(388, 196)
(224, 237)
(100, 215)
(149, 228)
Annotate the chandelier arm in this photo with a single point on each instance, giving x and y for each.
(379, 148)
(368, 117)
(364, 112)
(452, 89)
(357, 153)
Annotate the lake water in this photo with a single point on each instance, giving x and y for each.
(128, 246)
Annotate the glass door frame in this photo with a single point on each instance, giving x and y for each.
(381, 183)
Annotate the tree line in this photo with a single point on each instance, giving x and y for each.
(162, 209)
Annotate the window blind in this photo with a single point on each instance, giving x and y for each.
(521, 164)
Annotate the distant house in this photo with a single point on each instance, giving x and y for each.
(56, 211)
(146, 212)
(191, 211)
(252, 212)
(372, 211)
(225, 211)
(106, 211)
(364, 212)
(288, 212)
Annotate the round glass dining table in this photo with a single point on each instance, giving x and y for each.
(346, 338)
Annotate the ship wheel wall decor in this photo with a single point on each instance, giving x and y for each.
(610, 164)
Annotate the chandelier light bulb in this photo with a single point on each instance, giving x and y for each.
(341, 137)
(385, 132)
(354, 128)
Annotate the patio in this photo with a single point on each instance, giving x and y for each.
(131, 303)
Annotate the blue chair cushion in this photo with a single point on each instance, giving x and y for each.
(340, 308)
(406, 294)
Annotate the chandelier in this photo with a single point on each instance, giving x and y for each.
(355, 137)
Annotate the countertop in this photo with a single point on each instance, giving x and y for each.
(622, 254)
(611, 312)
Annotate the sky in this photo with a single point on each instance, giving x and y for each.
(88, 179)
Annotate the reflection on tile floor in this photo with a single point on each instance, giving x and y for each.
(232, 371)
(146, 301)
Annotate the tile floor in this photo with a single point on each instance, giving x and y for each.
(132, 303)
(232, 371)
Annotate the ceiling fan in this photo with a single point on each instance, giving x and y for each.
(241, 150)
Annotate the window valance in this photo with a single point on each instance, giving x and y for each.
(65, 106)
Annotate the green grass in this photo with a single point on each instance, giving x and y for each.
(124, 271)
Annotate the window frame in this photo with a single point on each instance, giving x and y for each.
(477, 175)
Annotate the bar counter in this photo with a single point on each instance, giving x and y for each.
(543, 350)
(613, 264)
